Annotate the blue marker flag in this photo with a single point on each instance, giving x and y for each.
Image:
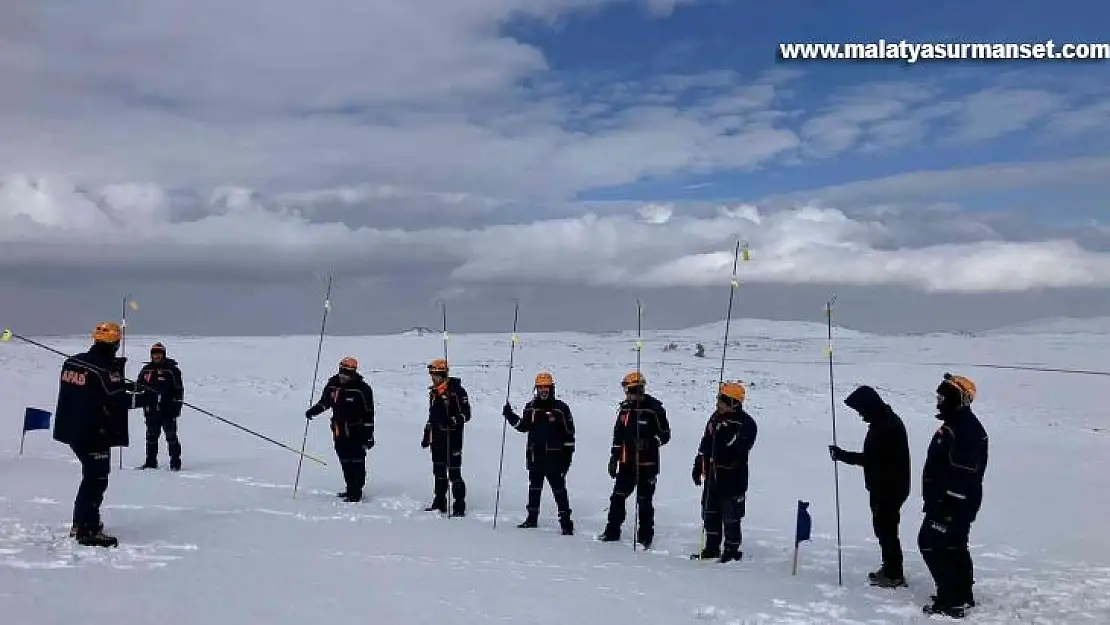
(35, 419)
(805, 523)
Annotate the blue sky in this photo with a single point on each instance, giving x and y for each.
(625, 42)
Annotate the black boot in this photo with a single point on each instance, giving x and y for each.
(96, 538)
(730, 554)
(352, 497)
(610, 535)
(566, 524)
(175, 464)
(531, 521)
(438, 505)
(882, 580)
(149, 464)
(706, 554)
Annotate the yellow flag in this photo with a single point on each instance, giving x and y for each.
(827, 351)
(747, 255)
(515, 340)
(133, 305)
(6, 336)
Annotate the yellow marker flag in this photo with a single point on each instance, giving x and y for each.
(735, 283)
(6, 336)
(515, 340)
(133, 305)
(827, 351)
(747, 255)
(327, 304)
(446, 337)
(639, 345)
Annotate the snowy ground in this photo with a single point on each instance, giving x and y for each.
(224, 541)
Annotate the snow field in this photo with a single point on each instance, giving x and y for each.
(225, 541)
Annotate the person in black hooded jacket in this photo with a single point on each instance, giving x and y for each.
(351, 401)
(886, 475)
(161, 383)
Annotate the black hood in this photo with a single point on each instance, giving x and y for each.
(867, 402)
(169, 362)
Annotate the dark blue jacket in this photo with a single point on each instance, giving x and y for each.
(352, 407)
(448, 412)
(93, 400)
(724, 449)
(162, 384)
(550, 428)
(640, 430)
(952, 481)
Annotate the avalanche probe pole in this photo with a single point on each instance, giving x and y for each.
(123, 348)
(504, 423)
(447, 412)
(836, 465)
(733, 284)
(636, 456)
(315, 372)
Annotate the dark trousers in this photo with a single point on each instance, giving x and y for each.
(96, 464)
(447, 468)
(156, 423)
(944, 549)
(643, 482)
(885, 518)
(722, 510)
(558, 481)
(352, 460)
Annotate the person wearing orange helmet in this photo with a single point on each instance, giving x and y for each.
(91, 417)
(640, 430)
(351, 400)
(722, 465)
(161, 381)
(952, 489)
(549, 451)
(448, 413)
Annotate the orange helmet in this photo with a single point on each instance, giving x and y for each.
(633, 379)
(349, 362)
(734, 390)
(543, 378)
(438, 366)
(107, 332)
(965, 385)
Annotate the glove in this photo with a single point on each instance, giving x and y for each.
(507, 411)
(568, 456)
(696, 473)
(427, 440)
(613, 467)
(834, 452)
(369, 444)
(308, 414)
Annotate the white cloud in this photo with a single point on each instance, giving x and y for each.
(995, 112)
(244, 236)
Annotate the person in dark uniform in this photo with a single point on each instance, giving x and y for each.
(160, 380)
(886, 475)
(448, 414)
(550, 449)
(351, 401)
(640, 430)
(91, 417)
(952, 488)
(722, 463)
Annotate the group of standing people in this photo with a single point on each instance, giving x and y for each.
(94, 397)
(952, 489)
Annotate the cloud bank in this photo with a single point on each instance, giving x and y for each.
(131, 230)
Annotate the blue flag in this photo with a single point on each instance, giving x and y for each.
(35, 419)
(805, 523)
